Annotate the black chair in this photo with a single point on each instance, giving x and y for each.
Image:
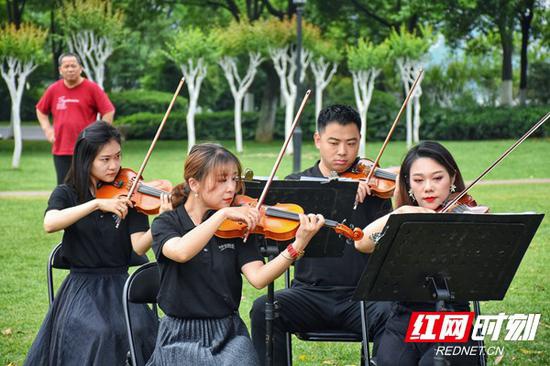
(141, 287)
(56, 260)
(334, 335)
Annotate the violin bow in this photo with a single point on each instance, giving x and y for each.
(497, 161)
(153, 144)
(390, 133)
(281, 154)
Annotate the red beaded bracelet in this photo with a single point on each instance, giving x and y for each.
(293, 253)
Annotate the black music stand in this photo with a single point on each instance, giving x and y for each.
(334, 200)
(447, 257)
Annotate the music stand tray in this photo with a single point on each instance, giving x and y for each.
(468, 256)
(333, 199)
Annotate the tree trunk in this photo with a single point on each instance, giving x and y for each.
(55, 45)
(194, 75)
(17, 137)
(237, 122)
(190, 120)
(416, 119)
(268, 109)
(319, 68)
(290, 105)
(363, 87)
(506, 38)
(526, 17)
(409, 125)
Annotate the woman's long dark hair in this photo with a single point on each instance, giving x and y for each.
(202, 160)
(89, 142)
(426, 149)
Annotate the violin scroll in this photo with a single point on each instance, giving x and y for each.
(354, 234)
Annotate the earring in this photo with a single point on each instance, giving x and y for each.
(411, 195)
(196, 195)
(453, 188)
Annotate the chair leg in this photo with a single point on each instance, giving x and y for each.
(288, 341)
(365, 352)
(128, 321)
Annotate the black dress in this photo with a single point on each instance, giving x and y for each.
(201, 299)
(85, 324)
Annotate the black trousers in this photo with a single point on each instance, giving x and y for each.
(62, 164)
(394, 351)
(311, 308)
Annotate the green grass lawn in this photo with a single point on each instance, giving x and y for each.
(530, 160)
(26, 246)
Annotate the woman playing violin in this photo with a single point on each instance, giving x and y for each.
(201, 283)
(427, 178)
(85, 324)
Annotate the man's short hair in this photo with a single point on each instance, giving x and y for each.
(339, 113)
(69, 54)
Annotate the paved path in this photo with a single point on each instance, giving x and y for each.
(46, 194)
(28, 132)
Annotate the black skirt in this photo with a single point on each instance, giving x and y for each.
(204, 342)
(85, 324)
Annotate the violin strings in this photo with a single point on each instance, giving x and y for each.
(150, 190)
(384, 174)
(282, 214)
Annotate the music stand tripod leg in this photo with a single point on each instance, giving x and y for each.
(441, 294)
(482, 360)
(271, 306)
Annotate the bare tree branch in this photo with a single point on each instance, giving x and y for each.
(272, 10)
(373, 15)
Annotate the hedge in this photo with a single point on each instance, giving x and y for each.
(220, 126)
(437, 123)
(139, 101)
(481, 123)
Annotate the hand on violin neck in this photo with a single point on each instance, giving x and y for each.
(363, 190)
(309, 226)
(165, 202)
(118, 206)
(247, 214)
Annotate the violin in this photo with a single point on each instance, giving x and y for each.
(278, 222)
(382, 183)
(146, 198)
(465, 204)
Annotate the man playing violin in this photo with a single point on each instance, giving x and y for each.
(321, 292)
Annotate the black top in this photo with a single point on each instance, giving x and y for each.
(210, 284)
(94, 241)
(342, 271)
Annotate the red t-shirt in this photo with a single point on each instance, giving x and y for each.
(73, 109)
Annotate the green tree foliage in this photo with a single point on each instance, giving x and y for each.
(21, 50)
(25, 44)
(92, 15)
(191, 44)
(366, 55)
(327, 49)
(410, 45)
(239, 39)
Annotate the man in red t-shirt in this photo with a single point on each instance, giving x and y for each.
(74, 103)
